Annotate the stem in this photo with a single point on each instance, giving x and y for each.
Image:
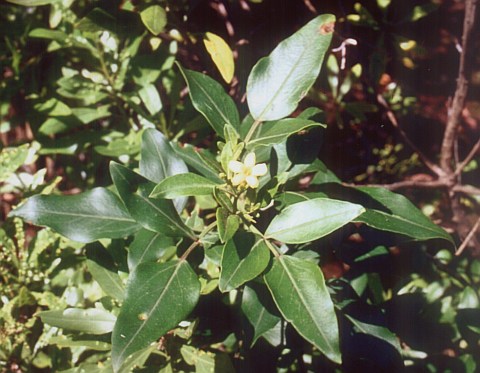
(198, 241)
(267, 242)
(252, 130)
(271, 247)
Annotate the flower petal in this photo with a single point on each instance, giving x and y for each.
(259, 169)
(252, 181)
(249, 160)
(235, 166)
(238, 179)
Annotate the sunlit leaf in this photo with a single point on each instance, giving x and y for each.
(83, 217)
(221, 55)
(209, 98)
(299, 291)
(278, 82)
(154, 18)
(309, 220)
(91, 320)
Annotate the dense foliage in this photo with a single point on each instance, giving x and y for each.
(158, 217)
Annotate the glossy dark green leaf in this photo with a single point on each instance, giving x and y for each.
(109, 281)
(91, 320)
(154, 18)
(271, 133)
(200, 160)
(209, 98)
(399, 216)
(159, 160)
(83, 217)
(278, 82)
(188, 184)
(158, 297)
(378, 331)
(309, 220)
(259, 309)
(157, 215)
(148, 246)
(244, 257)
(299, 291)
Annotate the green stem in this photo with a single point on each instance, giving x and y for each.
(266, 240)
(252, 130)
(271, 247)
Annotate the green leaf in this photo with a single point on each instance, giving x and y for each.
(299, 291)
(278, 82)
(43, 33)
(90, 320)
(221, 54)
(11, 159)
(109, 281)
(159, 160)
(378, 331)
(83, 217)
(154, 18)
(136, 360)
(63, 341)
(87, 115)
(259, 309)
(271, 133)
(209, 98)
(244, 257)
(148, 246)
(309, 220)
(200, 160)
(150, 97)
(180, 185)
(30, 3)
(157, 215)
(397, 214)
(158, 297)
(227, 223)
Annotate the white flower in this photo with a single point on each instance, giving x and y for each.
(247, 172)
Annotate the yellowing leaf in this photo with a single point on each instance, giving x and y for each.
(221, 54)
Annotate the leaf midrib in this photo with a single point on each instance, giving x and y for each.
(155, 305)
(403, 220)
(306, 224)
(283, 83)
(300, 295)
(212, 101)
(102, 217)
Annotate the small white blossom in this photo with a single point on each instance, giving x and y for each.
(247, 172)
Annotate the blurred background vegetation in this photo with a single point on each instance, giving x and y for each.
(81, 79)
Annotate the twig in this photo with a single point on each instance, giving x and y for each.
(467, 189)
(310, 6)
(391, 116)
(468, 238)
(468, 158)
(432, 184)
(455, 111)
(222, 12)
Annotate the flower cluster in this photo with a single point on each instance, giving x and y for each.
(247, 172)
